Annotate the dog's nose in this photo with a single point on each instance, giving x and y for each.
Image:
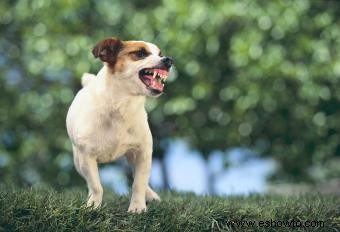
(167, 61)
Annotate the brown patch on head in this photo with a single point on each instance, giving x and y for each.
(130, 46)
(107, 50)
(136, 50)
(132, 51)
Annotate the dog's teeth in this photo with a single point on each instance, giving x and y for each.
(163, 77)
(154, 74)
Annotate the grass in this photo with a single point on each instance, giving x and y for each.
(43, 209)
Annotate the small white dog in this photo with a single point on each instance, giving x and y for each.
(107, 118)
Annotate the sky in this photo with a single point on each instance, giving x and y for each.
(245, 174)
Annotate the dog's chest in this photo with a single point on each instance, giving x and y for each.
(117, 132)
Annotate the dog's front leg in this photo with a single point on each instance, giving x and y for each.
(140, 182)
(150, 195)
(88, 168)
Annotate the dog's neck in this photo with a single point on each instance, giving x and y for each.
(113, 89)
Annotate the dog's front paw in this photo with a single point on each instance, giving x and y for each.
(136, 207)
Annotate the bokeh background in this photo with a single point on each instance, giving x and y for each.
(253, 103)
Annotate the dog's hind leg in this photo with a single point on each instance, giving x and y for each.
(150, 195)
(76, 160)
(88, 168)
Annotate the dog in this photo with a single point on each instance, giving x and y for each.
(107, 118)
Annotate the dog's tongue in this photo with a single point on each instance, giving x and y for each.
(155, 84)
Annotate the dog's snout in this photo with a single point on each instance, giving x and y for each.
(167, 61)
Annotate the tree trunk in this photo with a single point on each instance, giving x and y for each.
(210, 179)
(165, 176)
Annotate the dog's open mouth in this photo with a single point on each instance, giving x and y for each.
(154, 78)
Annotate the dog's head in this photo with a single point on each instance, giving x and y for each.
(139, 65)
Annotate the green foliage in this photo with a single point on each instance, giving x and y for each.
(46, 210)
(258, 74)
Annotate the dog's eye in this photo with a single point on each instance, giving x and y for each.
(141, 53)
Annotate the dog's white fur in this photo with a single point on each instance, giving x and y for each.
(107, 120)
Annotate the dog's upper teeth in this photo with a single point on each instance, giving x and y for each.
(155, 75)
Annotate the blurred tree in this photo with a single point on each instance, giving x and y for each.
(255, 74)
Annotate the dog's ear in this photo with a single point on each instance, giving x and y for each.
(107, 50)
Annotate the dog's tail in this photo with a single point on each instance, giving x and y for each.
(86, 78)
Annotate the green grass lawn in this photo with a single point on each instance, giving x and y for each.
(42, 209)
